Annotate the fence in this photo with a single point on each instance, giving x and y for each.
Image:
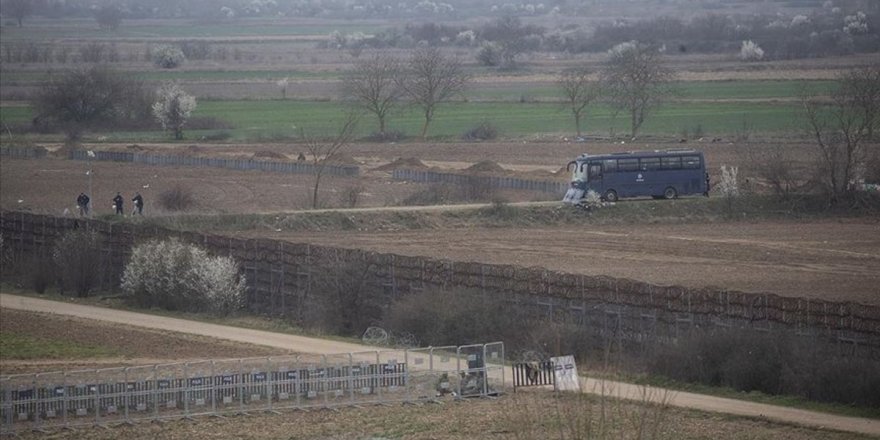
(23, 152)
(69, 399)
(214, 162)
(484, 181)
(282, 276)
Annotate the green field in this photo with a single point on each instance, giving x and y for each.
(276, 119)
(692, 90)
(16, 346)
(156, 74)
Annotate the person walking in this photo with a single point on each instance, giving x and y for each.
(84, 208)
(117, 203)
(79, 204)
(138, 204)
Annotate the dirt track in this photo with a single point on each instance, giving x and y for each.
(312, 345)
(831, 260)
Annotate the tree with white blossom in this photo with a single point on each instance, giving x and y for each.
(750, 51)
(173, 107)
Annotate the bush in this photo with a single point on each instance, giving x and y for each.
(77, 257)
(177, 198)
(771, 363)
(168, 57)
(484, 132)
(178, 276)
(751, 51)
(388, 136)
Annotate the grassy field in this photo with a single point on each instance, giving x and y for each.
(18, 346)
(277, 119)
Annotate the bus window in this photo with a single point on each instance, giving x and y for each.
(580, 172)
(649, 163)
(628, 164)
(595, 171)
(670, 163)
(690, 162)
(610, 165)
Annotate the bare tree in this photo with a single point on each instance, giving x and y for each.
(432, 79)
(843, 128)
(18, 9)
(322, 150)
(373, 84)
(579, 92)
(636, 81)
(83, 98)
(108, 17)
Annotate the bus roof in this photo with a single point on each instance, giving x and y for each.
(649, 153)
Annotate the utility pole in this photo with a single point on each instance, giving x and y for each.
(90, 154)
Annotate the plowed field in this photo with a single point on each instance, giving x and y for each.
(831, 260)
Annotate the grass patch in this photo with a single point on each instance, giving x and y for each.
(21, 347)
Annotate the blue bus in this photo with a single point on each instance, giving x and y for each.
(660, 174)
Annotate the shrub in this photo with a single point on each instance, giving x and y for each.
(168, 57)
(77, 257)
(484, 132)
(750, 51)
(177, 198)
(489, 55)
(178, 276)
(388, 136)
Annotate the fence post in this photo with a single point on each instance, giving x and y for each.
(155, 393)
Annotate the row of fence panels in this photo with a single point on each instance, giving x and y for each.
(213, 162)
(69, 399)
(491, 181)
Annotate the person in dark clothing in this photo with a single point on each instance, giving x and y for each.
(84, 207)
(79, 204)
(138, 204)
(117, 203)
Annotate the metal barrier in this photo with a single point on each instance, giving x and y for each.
(529, 374)
(422, 176)
(103, 397)
(210, 162)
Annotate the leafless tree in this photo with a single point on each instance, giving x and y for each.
(18, 9)
(83, 98)
(373, 85)
(322, 150)
(431, 79)
(636, 81)
(579, 92)
(842, 129)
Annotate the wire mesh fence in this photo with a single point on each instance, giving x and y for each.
(103, 397)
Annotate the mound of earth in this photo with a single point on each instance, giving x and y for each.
(342, 159)
(135, 147)
(402, 163)
(485, 166)
(268, 154)
(65, 151)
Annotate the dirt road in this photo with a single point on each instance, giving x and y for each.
(320, 346)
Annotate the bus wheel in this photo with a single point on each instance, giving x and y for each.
(610, 196)
(669, 193)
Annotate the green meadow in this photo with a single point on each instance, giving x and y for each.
(254, 120)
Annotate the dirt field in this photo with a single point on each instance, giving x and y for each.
(51, 185)
(831, 260)
(136, 345)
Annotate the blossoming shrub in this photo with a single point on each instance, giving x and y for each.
(178, 276)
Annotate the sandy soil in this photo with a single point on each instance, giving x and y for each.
(389, 422)
(832, 260)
